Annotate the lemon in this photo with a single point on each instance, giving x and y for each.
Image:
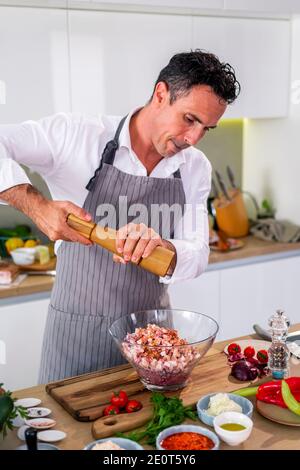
(13, 243)
(30, 243)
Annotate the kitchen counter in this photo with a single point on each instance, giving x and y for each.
(254, 251)
(265, 435)
(31, 285)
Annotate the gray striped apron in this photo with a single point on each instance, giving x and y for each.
(90, 289)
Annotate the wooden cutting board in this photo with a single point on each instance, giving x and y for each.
(40, 267)
(85, 396)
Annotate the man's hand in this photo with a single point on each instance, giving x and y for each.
(49, 216)
(52, 220)
(137, 241)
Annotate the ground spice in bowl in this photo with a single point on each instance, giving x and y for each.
(187, 441)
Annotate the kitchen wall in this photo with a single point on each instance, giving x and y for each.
(271, 164)
(224, 146)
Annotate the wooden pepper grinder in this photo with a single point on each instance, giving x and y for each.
(157, 263)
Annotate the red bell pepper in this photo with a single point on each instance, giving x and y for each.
(270, 392)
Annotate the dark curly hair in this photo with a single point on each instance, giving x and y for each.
(198, 67)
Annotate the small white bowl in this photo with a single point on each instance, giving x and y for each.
(23, 256)
(233, 438)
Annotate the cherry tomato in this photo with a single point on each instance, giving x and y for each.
(234, 348)
(119, 399)
(111, 410)
(249, 352)
(262, 356)
(133, 405)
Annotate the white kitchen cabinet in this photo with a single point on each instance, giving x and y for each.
(250, 294)
(117, 4)
(258, 50)
(205, 4)
(243, 295)
(116, 57)
(263, 6)
(33, 63)
(198, 295)
(21, 335)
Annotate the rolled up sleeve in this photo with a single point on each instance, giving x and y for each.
(11, 173)
(35, 144)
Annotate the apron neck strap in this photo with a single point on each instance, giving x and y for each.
(108, 154)
(112, 146)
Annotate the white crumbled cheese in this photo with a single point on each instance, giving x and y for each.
(108, 445)
(220, 403)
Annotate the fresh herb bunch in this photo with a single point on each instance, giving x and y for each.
(8, 411)
(166, 412)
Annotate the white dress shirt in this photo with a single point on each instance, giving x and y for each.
(65, 149)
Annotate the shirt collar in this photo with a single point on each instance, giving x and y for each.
(124, 141)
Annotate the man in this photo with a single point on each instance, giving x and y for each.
(147, 157)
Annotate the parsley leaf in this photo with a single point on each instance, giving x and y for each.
(166, 412)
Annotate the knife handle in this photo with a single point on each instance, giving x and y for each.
(157, 263)
(222, 185)
(231, 177)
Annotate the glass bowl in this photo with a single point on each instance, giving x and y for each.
(162, 363)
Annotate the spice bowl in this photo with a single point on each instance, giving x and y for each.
(126, 444)
(186, 428)
(233, 437)
(203, 404)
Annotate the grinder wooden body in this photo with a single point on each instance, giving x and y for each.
(157, 263)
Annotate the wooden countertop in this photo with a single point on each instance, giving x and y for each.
(253, 248)
(265, 434)
(30, 285)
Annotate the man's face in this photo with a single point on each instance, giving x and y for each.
(185, 122)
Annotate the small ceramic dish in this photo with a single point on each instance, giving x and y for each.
(40, 446)
(21, 432)
(40, 423)
(28, 402)
(52, 435)
(18, 421)
(233, 438)
(38, 412)
(186, 428)
(203, 403)
(126, 444)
